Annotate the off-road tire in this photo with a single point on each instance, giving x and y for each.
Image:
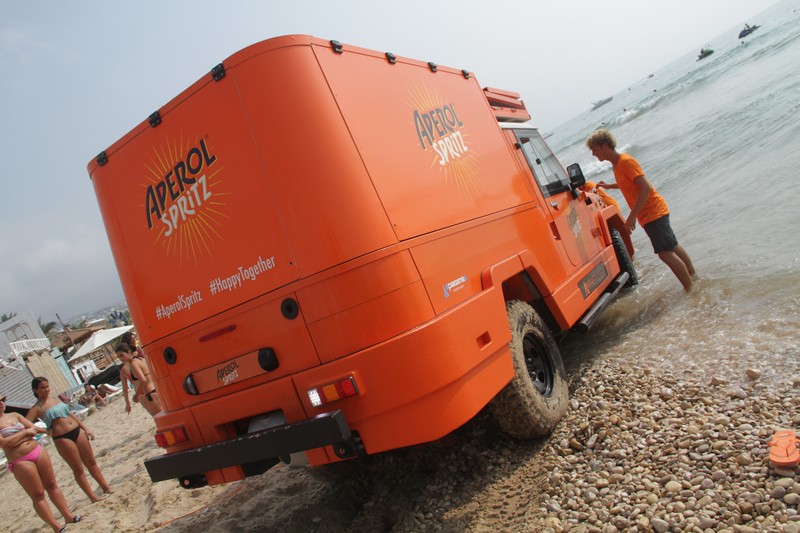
(537, 397)
(624, 258)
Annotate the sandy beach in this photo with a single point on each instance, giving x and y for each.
(640, 450)
(121, 444)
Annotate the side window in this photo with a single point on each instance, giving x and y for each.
(546, 169)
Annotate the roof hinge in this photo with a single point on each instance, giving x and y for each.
(154, 119)
(432, 66)
(102, 158)
(337, 46)
(218, 72)
(391, 58)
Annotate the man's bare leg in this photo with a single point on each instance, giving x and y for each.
(680, 252)
(678, 267)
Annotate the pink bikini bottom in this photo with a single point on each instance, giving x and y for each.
(33, 457)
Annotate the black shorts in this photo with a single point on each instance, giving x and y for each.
(661, 235)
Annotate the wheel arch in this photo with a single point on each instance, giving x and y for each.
(522, 282)
(613, 219)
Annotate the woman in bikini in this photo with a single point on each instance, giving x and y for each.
(69, 435)
(130, 338)
(31, 466)
(134, 368)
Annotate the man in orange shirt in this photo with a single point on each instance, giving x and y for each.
(647, 206)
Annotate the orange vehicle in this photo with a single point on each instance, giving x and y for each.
(329, 252)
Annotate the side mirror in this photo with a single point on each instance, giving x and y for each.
(576, 178)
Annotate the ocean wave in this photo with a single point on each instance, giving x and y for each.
(594, 168)
(774, 48)
(630, 113)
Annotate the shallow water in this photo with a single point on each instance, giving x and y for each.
(720, 139)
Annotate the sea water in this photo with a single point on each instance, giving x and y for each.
(719, 138)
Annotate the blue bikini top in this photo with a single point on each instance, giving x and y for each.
(60, 410)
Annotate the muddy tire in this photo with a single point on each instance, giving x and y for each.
(624, 258)
(537, 397)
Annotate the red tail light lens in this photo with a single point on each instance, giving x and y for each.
(338, 390)
(171, 437)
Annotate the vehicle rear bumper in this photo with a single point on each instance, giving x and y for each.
(322, 430)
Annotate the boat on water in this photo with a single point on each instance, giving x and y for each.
(599, 103)
(748, 29)
(704, 53)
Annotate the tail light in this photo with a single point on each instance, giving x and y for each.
(338, 390)
(171, 437)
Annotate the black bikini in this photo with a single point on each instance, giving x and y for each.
(148, 395)
(133, 378)
(72, 434)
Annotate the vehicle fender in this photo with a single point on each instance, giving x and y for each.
(613, 219)
(513, 266)
(495, 275)
(520, 278)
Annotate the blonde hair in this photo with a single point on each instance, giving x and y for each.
(602, 137)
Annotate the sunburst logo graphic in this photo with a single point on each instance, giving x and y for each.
(184, 199)
(443, 134)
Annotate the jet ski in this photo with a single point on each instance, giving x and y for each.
(748, 29)
(704, 53)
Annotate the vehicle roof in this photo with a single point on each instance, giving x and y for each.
(516, 126)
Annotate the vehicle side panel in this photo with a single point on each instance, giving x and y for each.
(429, 141)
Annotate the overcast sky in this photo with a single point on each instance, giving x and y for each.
(79, 75)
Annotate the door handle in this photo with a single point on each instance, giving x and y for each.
(554, 204)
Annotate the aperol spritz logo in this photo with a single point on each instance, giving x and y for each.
(441, 132)
(183, 200)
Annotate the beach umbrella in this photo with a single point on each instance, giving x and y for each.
(98, 340)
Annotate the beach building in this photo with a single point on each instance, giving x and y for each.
(25, 352)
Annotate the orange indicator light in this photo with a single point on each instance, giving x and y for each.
(171, 437)
(338, 390)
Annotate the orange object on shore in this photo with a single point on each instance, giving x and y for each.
(783, 449)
